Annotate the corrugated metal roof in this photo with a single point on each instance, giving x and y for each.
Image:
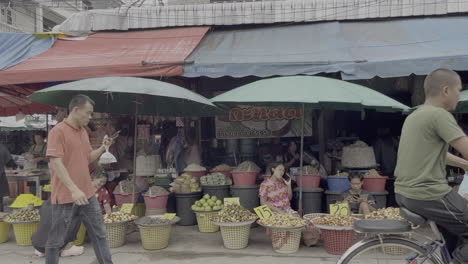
(267, 12)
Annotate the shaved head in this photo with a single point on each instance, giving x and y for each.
(439, 79)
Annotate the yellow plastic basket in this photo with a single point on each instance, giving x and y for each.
(205, 224)
(155, 237)
(140, 209)
(116, 233)
(4, 231)
(80, 236)
(23, 232)
(286, 241)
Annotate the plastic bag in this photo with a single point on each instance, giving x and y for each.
(464, 185)
(107, 157)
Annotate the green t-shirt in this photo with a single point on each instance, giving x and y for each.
(422, 153)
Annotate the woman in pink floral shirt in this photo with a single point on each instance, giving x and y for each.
(275, 192)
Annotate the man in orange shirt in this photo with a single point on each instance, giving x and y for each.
(73, 194)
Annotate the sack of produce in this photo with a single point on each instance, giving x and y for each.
(185, 183)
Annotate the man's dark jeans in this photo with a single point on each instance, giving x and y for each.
(92, 218)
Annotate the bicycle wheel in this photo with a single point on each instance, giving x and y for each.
(374, 251)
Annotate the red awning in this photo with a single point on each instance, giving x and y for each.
(143, 53)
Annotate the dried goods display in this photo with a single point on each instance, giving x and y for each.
(118, 217)
(234, 213)
(125, 187)
(334, 220)
(282, 220)
(152, 221)
(185, 183)
(24, 200)
(341, 174)
(311, 169)
(215, 178)
(22, 215)
(156, 191)
(222, 167)
(385, 213)
(208, 203)
(247, 166)
(372, 174)
(194, 167)
(358, 155)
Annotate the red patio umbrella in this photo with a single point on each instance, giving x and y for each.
(11, 105)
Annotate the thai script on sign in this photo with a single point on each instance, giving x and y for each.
(263, 114)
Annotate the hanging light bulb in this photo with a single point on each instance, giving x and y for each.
(20, 116)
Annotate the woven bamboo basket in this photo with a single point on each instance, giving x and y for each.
(205, 224)
(4, 231)
(235, 235)
(157, 236)
(23, 232)
(116, 233)
(80, 236)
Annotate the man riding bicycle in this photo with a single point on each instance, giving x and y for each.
(421, 184)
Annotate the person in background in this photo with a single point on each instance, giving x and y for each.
(103, 195)
(192, 152)
(38, 150)
(5, 158)
(292, 158)
(360, 201)
(275, 191)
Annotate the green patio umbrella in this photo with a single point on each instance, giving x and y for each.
(310, 92)
(132, 96)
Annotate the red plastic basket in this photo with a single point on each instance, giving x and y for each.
(374, 184)
(196, 174)
(156, 202)
(337, 241)
(121, 198)
(244, 178)
(309, 181)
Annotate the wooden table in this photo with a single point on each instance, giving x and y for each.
(26, 176)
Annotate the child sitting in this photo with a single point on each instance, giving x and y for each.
(360, 201)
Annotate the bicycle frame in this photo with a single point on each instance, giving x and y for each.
(429, 247)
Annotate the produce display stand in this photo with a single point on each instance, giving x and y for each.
(235, 235)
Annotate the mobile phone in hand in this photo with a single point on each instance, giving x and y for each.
(286, 177)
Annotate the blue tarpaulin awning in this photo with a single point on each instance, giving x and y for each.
(358, 50)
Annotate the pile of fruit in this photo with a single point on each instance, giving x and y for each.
(22, 215)
(151, 221)
(334, 220)
(282, 220)
(185, 183)
(156, 191)
(385, 213)
(247, 166)
(208, 203)
(234, 213)
(117, 217)
(311, 170)
(47, 188)
(222, 167)
(215, 178)
(372, 174)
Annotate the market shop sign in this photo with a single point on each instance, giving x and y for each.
(255, 122)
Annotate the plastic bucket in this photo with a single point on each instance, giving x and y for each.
(339, 184)
(309, 181)
(121, 198)
(244, 178)
(311, 200)
(248, 196)
(374, 184)
(156, 202)
(220, 191)
(184, 203)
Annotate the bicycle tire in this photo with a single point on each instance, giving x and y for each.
(372, 243)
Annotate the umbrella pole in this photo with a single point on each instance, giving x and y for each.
(301, 161)
(135, 152)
